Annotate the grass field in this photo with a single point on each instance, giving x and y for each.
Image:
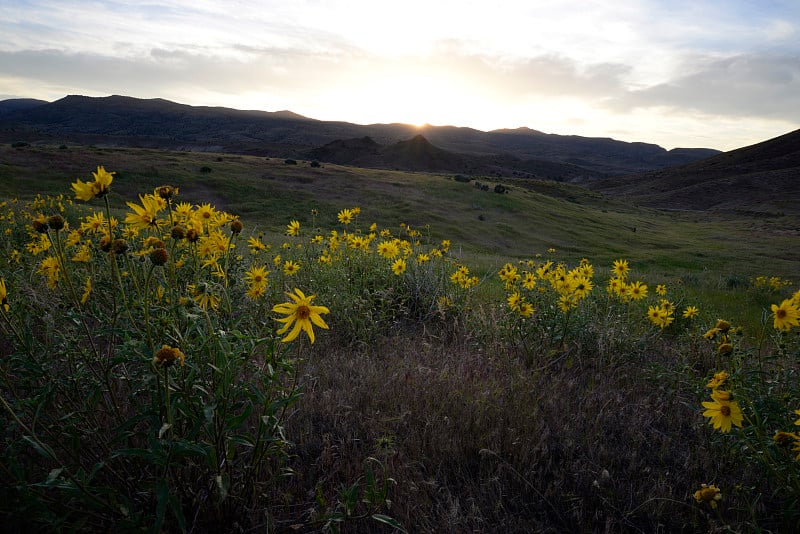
(432, 403)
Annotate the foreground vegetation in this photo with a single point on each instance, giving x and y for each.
(167, 365)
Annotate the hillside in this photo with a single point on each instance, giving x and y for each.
(158, 123)
(763, 178)
(419, 154)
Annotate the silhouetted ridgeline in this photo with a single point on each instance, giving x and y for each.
(157, 123)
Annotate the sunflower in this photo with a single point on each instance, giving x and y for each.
(50, 268)
(256, 276)
(290, 268)
(786, 315)
(637, 291)
(166, 356)
(293, 228)
(515, 300)
(88, 190)
(204, 296)
(620, 269)
(690, 312)
(718, 380)
(146, 215)
(388, 249)
(300, 312)
(708, 493)
(722, 413)
(3, 295)
(399, 266)
(345, 216)
(526, 309)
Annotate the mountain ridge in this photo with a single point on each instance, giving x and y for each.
(158, 123)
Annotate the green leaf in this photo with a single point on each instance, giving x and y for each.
(53, 476)
(386, 520)
(39, 447)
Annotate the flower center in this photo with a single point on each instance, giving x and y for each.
(780, 313)
(303, 312)
(725, 410)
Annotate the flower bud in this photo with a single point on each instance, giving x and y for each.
(56, 222)
(159, 256)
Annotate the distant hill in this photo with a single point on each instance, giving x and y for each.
(158, 123)
(419, 154)
(761, 178)
(13, 105)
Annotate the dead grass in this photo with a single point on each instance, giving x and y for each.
(478, 442)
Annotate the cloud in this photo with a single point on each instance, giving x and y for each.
(747, 85)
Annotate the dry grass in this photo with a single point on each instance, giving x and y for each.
(478, 442)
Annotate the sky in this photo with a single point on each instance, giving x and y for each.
(679, 73)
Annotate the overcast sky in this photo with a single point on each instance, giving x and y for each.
(689, 73)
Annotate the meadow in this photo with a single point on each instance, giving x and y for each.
(198, 341)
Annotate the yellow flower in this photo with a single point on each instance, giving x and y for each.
(725, 348)
(302, 313)
(784, 439)
(526, 309)
(290, 268)
(88, 190)
(718, 380)
(620, 269)
(567, 302)
(166, 356)
(388, 249)
(165, 191)
(661, 289)
(255, 292)
(345, 216)
(256, 276)
(293, 228)
(723, 413)
(204, 296)
(205, 213)
(87, 291)
(708, 493)
(84, 255)
(146, 215)
(786, 315)
(529, 280)
(637, 291)
(581, 286)
(661, 315)
(399, 266)
(3, 295)
(515, 300)
(255, 245)
(690, 312)
(50, 268)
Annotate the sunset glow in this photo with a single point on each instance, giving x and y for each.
(719, 74)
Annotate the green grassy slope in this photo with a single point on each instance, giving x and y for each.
(532, 217)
